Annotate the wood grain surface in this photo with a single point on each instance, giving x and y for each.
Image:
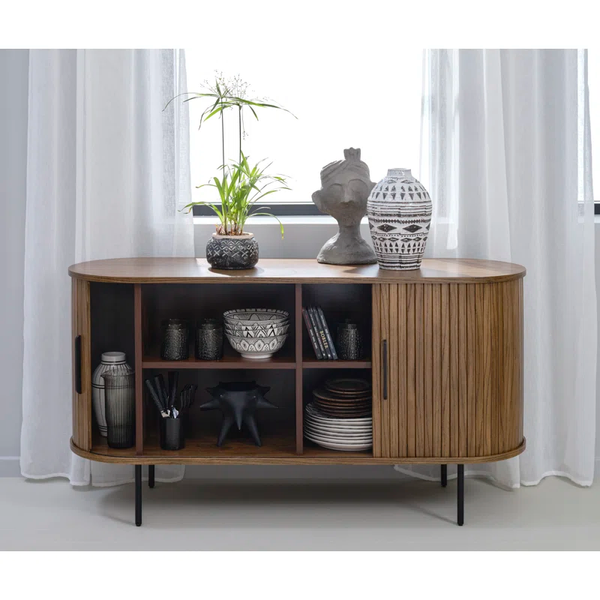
(197, 270)
(454, 373)
(198, 452)
(82, 403)
(379, 334)
(299, 379)
(456, 358)
(138, 318)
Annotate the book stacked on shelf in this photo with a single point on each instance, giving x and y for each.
(320, 336)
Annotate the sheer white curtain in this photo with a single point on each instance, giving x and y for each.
(107, 170)
(507, 159)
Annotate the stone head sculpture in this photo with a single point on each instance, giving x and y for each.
(345, 187)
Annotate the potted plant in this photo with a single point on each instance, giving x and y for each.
(241, 184)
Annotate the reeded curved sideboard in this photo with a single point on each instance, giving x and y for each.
(445, 358)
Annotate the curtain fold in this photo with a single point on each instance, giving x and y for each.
(107, 171)
(507, 159)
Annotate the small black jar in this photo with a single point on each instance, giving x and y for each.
(209, 340)
(349, 341)
(174, 339)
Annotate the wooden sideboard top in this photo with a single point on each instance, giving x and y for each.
(197, 270)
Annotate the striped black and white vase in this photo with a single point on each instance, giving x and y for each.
(113, 362)
(399, 211)
(119, 391)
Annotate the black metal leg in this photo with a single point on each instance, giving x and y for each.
(444, 475)
(461, 495)
(138, 495)
(151, 476)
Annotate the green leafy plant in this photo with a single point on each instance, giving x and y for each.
(240, 187)
(241, 184)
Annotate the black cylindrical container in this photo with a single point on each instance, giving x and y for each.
(172, 434)
(349, 341)
(209, 340)
(175, 339)
(119, 392)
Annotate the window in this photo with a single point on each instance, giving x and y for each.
(342, 98)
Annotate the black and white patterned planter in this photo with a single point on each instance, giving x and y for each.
(228, 252)
(399, 211)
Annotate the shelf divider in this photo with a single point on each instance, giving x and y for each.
(299, 391)
(139, 375)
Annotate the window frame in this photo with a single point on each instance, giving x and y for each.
(279, 209)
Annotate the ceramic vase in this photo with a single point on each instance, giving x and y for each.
(399, 211)
(110, 362)
(232, 252)
(119, 390)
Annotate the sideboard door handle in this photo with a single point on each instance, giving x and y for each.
(78, 364)
(384, 354)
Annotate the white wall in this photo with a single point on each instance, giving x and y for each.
(303, 236)
(13, 153)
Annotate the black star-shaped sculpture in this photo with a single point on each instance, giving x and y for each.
(238, 402)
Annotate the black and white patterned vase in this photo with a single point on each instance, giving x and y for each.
(399, 211)
(228, 252)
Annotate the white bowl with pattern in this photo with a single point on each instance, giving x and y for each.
(257, 331)
(256, 348)
(256, 316)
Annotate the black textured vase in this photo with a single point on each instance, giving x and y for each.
(175, 340)
(228, 252)
(209, 340)
(349, 342)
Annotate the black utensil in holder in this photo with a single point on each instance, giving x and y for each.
(172, 435)
(175, 340)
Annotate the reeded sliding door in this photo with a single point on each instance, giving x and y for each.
(447, 375)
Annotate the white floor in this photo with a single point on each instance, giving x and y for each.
(298, 515)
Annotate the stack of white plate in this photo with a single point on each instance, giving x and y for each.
(346, 434)
(256, 333)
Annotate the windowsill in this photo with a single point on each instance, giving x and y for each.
(289, 220)
(303, 235)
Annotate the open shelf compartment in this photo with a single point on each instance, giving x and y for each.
(339, 302)
(194, 302)
(313, 379)
(275, 425)
(127, 317)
